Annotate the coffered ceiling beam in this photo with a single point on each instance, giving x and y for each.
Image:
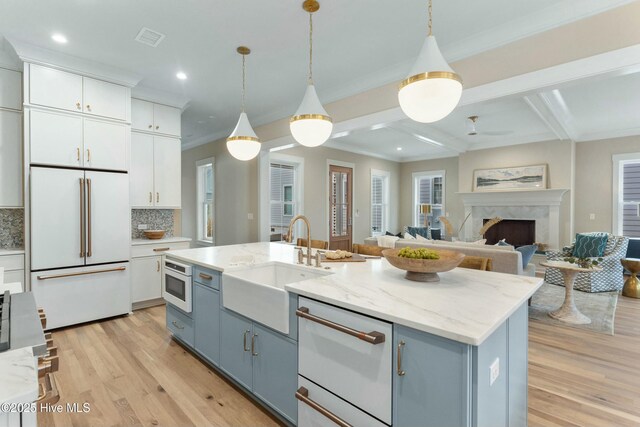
(540, 105)
(434, 137)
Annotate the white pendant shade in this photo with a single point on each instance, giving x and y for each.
(311, 126)
(433, 89)
(243, 143)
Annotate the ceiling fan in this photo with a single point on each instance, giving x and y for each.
(471, 123)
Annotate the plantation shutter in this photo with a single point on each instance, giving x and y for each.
(377, 204)
(631, 200)
(281, 176)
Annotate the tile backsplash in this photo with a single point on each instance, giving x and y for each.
(156, 219)
(11, 228)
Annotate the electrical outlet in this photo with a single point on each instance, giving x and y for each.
(494, 371)
(592, 216)
(250, 216)
(143, 227)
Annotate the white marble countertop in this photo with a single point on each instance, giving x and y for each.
(465, 306)
(4, 252)
(18, 376)
(135, 242)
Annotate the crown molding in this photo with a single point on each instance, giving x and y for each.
(38, 55)
(160, 97)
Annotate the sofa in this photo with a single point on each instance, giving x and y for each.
(505, 259)
(608, 280)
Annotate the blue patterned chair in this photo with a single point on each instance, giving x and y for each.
(609, 279)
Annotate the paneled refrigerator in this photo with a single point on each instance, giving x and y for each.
(80, 240)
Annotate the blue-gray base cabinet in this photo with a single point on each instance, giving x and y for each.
(261, 360)
(443, 383)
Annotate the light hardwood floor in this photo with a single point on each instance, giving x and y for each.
(132, 373)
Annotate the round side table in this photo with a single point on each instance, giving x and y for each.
(569, 312)
(631, 287)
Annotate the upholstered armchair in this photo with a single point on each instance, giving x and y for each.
(609, 279)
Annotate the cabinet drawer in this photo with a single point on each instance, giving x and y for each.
(180, 325)
(328, 354)
(316, 405)
(207, 277)
(156, 249)
(12, 262)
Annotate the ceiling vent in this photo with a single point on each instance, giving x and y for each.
(149, 37)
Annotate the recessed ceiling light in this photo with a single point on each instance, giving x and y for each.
(59, 38)
(200, 122)
(399, 148)
(181, 76)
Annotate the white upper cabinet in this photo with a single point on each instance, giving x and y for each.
(70, 140)
(166, 120)
(55, 88)
(10, 159)
(141, 115)
(10, 89)
(157, 118)
(141, 172)
(105, 145)
(55, 138)
(67, 91)
(167, 168)
(105, 99)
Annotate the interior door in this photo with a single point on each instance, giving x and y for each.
(57, 212)
(108, 220)
(340, 207)
(141, 170)
(167, 175)
(105, 145)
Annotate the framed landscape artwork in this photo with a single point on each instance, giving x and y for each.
(511, 179)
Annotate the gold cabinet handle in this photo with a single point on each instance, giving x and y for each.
(78, 106)
(88, 107)
(176, 325)
(303, 396)
(150, 126)
(157, 197)
(78, 153)
(205, 276)
(81, 217)
(370, 337)
(157, 127)
(89, 217)
(244, 340)
(150, 197)
(161, 249)
(88, 155)
(399, 359)
(83, 273)
(254, 353)
(158, 269)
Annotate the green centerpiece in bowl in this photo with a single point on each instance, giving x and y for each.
(422, 264)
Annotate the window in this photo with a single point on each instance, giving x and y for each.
(204, 208)
(626, 179)
(379, 202)
(428, 188)
(282, 184)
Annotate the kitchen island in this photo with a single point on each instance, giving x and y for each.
(448, 353)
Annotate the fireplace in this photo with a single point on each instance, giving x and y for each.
(517, 232)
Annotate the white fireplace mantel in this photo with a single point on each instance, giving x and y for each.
(500, 201)
(514, 198)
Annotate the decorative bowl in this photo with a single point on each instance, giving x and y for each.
(154, 234)
(424, 270)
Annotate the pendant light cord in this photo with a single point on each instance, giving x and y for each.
(310, 48)
(430, 17)
(243, 84)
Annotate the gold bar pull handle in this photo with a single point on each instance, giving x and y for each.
(399, 359)
(78, 153)
(205, 276)
(81, 217)
(303, 396)
(161, 249)
(89, 226)
(158, 268)
(370, 337)
(157, 197)
(150, 197)
(82, 273)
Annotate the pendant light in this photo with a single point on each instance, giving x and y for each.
(243, 143)
(311, 126)
(432, 89)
